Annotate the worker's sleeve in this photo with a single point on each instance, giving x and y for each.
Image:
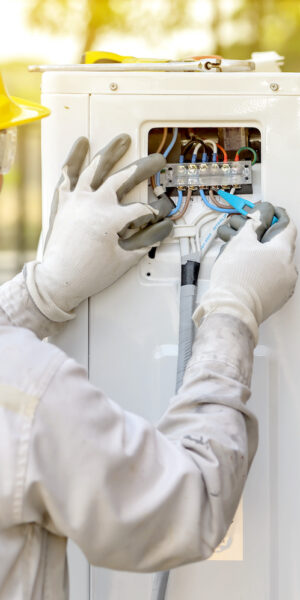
(17, 309)
(135, 497)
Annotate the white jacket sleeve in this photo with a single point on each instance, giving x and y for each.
(133, 496)
(20, 311)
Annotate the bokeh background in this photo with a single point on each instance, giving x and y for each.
(60, 31)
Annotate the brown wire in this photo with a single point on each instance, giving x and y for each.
(163, 140)
(159, 149)
(217, 202)
(185, 207)
(220, 204)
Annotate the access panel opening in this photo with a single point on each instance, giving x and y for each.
(206, 158)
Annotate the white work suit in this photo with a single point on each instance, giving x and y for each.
(74, 464)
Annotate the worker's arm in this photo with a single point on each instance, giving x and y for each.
(138, 498)
(135, 497)
(18, 309)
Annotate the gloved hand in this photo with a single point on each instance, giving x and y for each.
(255, 274)
(89, 246)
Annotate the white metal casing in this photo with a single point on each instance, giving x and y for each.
(139, 342)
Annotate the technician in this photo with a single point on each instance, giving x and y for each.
(73, 464)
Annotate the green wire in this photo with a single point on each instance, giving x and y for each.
(251, 150)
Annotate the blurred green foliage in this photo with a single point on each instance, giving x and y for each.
(265, 25)
(91, 18)
(237, 27)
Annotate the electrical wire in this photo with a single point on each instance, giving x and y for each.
(196, 150)
(193, 244)
(225, 160)
(214, 148)
(181, 212)
(159, 149)
(237, 156)
(172, 142)
(160, 584)
(187, 148)
(210, 236)
(178, 205)
(212, 145)
(229, 211)
(167, 152)
(163, 140)
(217, 201)
(198, 144)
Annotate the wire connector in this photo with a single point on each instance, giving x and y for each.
(158, 191)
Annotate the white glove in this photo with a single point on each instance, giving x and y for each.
(252, 279)
(88, 245)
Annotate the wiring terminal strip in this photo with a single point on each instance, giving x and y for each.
(208, 174)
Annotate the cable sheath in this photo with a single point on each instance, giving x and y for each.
(189, 276)
(160, 583)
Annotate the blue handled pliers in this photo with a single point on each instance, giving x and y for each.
(238, 203)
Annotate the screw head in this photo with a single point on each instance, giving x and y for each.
(113, 86)
(225, 167)
(274, 87)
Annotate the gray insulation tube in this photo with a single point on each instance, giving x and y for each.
(190, 266)
(186, 330)
(160, 585)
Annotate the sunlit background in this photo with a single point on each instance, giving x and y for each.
(60, 31)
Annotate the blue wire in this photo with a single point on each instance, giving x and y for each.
(167, 151)
(172, 143)
(178, 205)
(180, 195)
(214, 157)
(213, 207)
(204, 157)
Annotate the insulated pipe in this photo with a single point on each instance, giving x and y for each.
(190, 265)
(160, 585)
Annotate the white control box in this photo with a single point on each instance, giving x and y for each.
(131, 329)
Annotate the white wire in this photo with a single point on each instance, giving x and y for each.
(212, 144)
(193, 244)
(203, 247)
(210, 236)
(196, 149)
(197, 234)
(206, 217)
(184, 245)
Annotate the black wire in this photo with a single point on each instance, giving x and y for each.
(187, 147)
(204, 146)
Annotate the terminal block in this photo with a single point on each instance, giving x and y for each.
(209, 174)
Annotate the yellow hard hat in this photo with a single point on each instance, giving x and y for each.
(17, 111)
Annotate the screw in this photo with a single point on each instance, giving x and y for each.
(113, 86)
(274, 87)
